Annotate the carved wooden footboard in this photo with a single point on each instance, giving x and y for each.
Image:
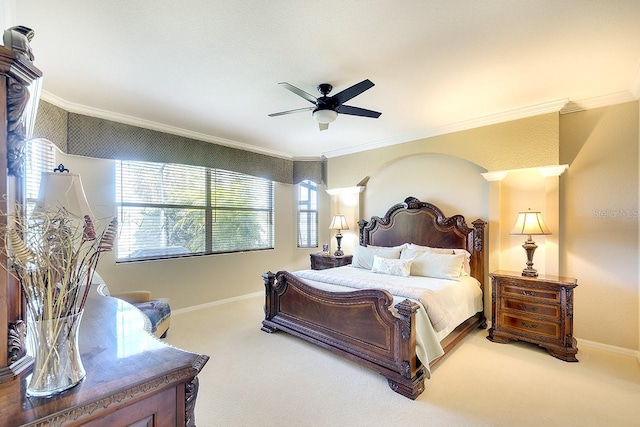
(357, 325)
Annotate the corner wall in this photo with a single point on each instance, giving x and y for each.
(599, 213)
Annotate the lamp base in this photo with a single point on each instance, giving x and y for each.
(530, 247)
(339, 239)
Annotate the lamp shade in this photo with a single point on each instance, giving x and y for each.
(339, 222)
(530, 223)
(325, 116)
(63, 190)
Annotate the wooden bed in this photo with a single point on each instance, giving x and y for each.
(359, 324)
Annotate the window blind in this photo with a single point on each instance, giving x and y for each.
(169, 210)
(39, 157)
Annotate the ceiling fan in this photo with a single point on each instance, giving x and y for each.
(326, 108)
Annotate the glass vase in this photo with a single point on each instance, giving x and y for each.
(54, 346)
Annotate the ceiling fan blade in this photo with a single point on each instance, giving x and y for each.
(323, 126)
(353, 91)
(356, 111)
(297, 110)
(312, 99)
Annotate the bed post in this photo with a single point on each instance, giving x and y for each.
(478, 250)
(269, 311)
(410, 382)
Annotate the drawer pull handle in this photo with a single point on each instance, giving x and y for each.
(527, 308)
(529, 293)
(528, 325)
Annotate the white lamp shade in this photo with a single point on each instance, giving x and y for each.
(324, 116)
(63, 190)
(530, 223)
(339, 222)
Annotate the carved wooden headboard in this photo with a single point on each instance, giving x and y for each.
(424, 224)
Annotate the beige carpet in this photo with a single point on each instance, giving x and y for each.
(259, 379)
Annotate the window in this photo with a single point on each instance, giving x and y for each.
(307, 214)
(171, 210)
(39, 157)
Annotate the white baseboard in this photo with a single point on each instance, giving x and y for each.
(214, 303)
(610, 348)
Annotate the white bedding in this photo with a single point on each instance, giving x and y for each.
(458, 299)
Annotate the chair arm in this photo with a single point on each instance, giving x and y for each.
(133, 297)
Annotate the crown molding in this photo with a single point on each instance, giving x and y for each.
(600, 101)
(148, 124)
(507, 116)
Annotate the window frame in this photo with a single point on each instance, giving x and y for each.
(304, 206)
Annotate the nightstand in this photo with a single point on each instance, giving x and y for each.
(323, 260)
(538, 310)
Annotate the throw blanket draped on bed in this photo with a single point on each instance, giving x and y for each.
(438, 316)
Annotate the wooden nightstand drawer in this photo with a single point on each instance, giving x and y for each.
(538, 329)
(552, 311)
(509, 289)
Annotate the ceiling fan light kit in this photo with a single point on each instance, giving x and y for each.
(327, 108)
(325, 116)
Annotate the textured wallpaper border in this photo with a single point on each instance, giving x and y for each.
(87, 136)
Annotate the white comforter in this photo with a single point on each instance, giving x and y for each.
(456, 301)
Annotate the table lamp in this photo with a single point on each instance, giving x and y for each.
(339, 223)
(530, 223)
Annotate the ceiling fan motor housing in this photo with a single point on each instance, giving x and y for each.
(325, 88)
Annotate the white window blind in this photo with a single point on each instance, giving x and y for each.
(307, 214)
(168, 210)
(39, 157)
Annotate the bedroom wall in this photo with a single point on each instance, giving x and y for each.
(601, 148)
(600, 221)
(192, 281)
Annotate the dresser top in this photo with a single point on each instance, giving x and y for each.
(559, 280)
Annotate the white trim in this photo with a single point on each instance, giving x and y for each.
(609, 348)
(553, 170)
(599, 101)
(148, 124)
(494, 176)
(214, 303)
(520, 113)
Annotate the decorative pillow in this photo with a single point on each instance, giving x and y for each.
(466, 265)
(434, 264)
(363, 255)
(395, 267)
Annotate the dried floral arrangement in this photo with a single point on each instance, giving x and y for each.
(53, 254)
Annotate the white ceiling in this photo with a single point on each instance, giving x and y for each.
(210, 69)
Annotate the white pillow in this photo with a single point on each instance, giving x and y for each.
(363, 255)
(434, 264)
(466, 265)
(395, 267)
